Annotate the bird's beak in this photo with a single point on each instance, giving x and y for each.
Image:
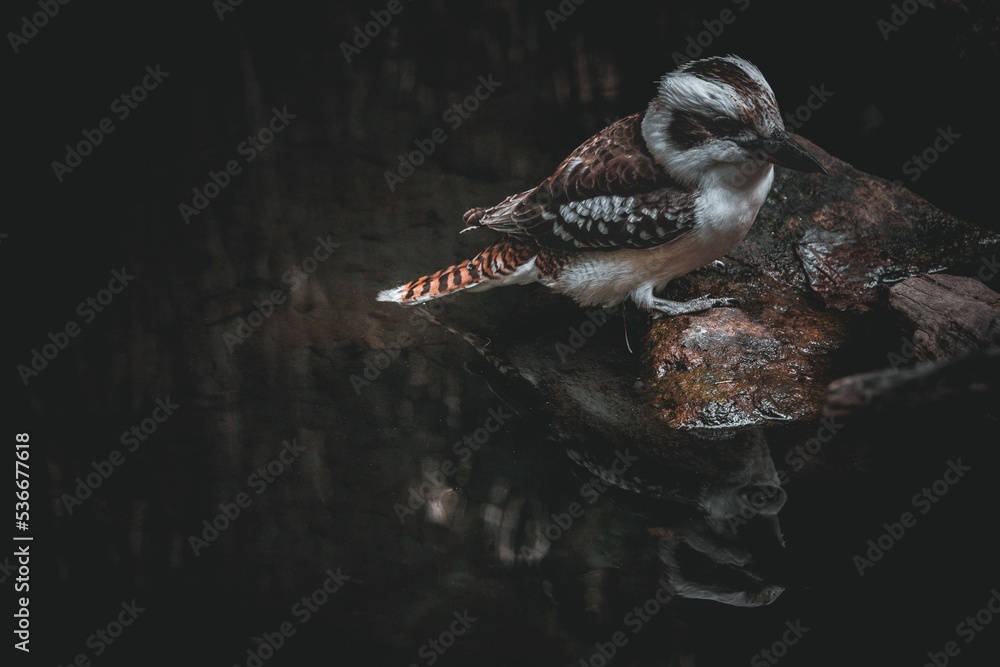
(782, 150)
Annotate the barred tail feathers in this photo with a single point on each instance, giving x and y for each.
(446, 281)
(494, 266)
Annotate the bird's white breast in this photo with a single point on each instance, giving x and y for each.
(728, 206)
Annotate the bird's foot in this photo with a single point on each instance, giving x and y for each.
(666, 307)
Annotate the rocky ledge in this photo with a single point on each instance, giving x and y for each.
(842, 275)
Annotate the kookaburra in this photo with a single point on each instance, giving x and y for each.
(650, 198)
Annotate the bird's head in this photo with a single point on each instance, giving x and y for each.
(719, 112)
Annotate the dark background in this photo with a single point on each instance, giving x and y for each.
(325, 176)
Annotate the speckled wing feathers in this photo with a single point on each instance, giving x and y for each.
(609, 194)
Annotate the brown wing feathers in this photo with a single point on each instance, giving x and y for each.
(613, 162)
(609, 194)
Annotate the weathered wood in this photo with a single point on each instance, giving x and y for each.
(947, 315)
(972, 379)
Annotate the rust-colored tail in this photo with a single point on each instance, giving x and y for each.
(500, 260)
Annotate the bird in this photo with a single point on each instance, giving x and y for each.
(648, 199)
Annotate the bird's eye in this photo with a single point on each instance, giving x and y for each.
(724, 126)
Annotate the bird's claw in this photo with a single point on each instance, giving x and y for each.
(722, 302)
(719, 266)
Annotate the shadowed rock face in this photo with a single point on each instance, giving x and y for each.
(849, 235)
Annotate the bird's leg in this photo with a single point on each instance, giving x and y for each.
(645, 298)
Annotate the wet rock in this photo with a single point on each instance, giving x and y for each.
(815, 267)
(728, 369)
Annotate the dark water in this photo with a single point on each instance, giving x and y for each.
(349, 483)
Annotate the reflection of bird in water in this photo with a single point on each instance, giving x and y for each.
(650, 198)
(704, 512)
(717, 537)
